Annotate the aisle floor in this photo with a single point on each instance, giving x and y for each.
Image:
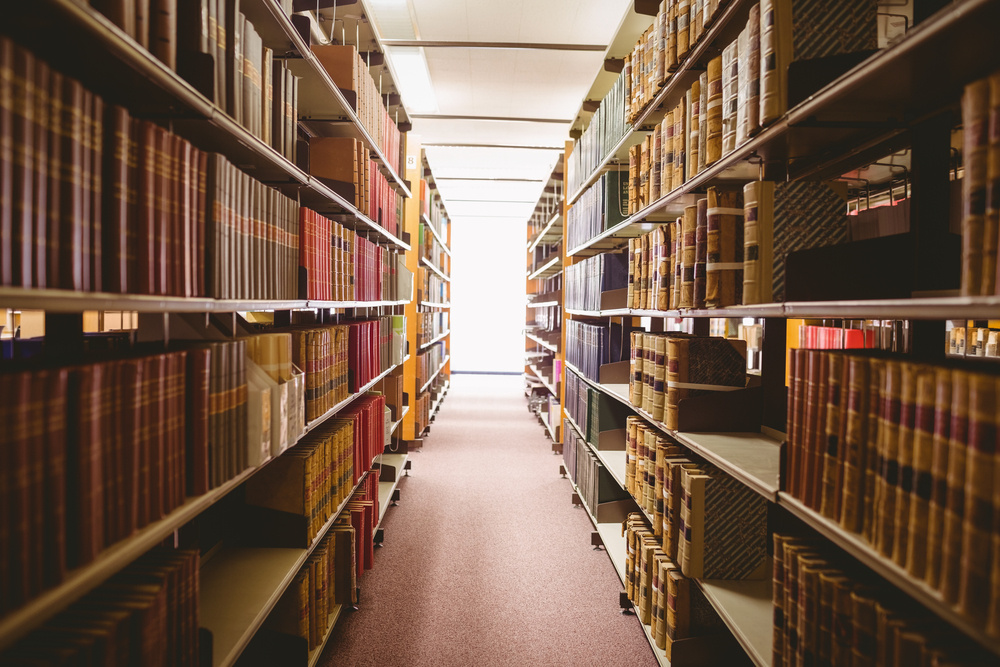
(486, 561)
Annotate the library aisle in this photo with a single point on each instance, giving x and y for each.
(486, 561)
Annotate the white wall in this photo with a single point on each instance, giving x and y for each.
(487, 294)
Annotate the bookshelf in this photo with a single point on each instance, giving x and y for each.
(240, 584)
(864, 115)
(543, 282)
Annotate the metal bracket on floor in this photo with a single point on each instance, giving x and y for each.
(406, 468)
(379, 538)
(562, 471)
(624, 603)
(395, 498)
(576, 500)
(596, 541)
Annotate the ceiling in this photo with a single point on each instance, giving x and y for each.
(500, 110)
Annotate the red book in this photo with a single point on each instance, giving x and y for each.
(131, 383)
(115, 206)
(23, 117)
(94, 266)
(158, 438)
(42, 178)
(7, 116)
(85, 485)
(54, 504)
(162, 193)
(201, 222)
(198, 406)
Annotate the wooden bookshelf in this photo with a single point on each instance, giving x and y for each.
(386, 489)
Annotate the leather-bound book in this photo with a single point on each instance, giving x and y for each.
(680, 143)
(697, 365)
(975, 150)
(663, 243)
(688, 256)
(831, 449)
(912, 374)
(795, 410)
(702, 121)
(119, 12)
(864, 622)
(918, 517)
(887, 456)
(748, 100)
(877, 393)
(163, 31)
(713, 112)
(85, 481)
(859, 371)
(991, 237)
(670, 55)
(758, 242)
(700, 253)
(724, 262)
(954, 514)
(943, 401)
(659, 377)
(730, 95)
(683, 29)
(692, 106)
(810, 423)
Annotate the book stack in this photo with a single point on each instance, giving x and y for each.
(901, 454)
(212, 45)
(815, 337)
(368, 351)
(600, 207)
(326, 580)
(363, 512)
(251, 236)
(310, 480)
(980, 198)
(322, 352)
(670, 603)
(592, 479)
(668, 368)
(345, 165)
(341, 265)
(589, 346)
(432, 287)
(587, 279)
(827, 612)
(646, 451)
(431, 325)
(422, 412)
(350, 73)
(147, 614)
(570, 447)
(367, 415)
(429, 362)
(606, 128)
(434, 251)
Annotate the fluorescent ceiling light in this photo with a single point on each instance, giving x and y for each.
(413, 79)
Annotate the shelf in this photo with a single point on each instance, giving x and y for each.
(548, 428)
(746, 607)
(435, 340)
(857, 547)
(550, 233)
(317, 653)
(319, 195)
(395, 424)
(543, 304)
(434, 375)
(354, 304)
(350, 399)
(434, 304)
(752, 458)
(239, 586)
(679, 81)
(124, 73)
(440, 399)
(547, 270)
(81, 581)
(613, 460)
(545, 382)
(761, 310)
(318, 94)
(547, 345)
(435, 234)
(385, 489)
(433, 267)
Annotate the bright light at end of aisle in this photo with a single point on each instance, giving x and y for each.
(413, 79)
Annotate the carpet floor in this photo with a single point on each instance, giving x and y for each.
(486, 561)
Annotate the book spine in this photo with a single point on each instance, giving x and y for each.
(975, 149)
(701, 253)
(954, 515)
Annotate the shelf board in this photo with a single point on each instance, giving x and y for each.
(435, 233)
(440, 400)
(548, 269)
(551, 232)
(385, 489)
(857, 547)
(82, 580)
(545, 382)
(350, 399)
(355, 304)
(547, 345)
(319, 196)
(752, 458)
(239, 586)
(433, 267)
(548, 427)
(444, 362)
(436, 339)
(434, 304)
(396, 424)
(746, 607)
(543, 304)
(317, 653)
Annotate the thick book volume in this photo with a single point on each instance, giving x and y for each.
(147, 614)
(585, 281)
(824, 613)
(976, 156)
(697, 366)
(589, 346)
(350, 73)
(600, 207)
(923, 431)
(748, 94)
(724, 263)
(311, 480)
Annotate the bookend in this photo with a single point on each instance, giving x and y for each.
(716, 411)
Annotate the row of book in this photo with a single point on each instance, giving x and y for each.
(739, 92)
(100, 450)
(828, 613)
(592, 479)
(429, 362)
(346, 166)
(212, 45)
(589, 346)
(434, 252)
(589, 278)
(341, 265)
(431, 325)
(901, 453)
(980, 192)
(973, 342)
(606, 128)
(591, 410)
(602, 206)
(665, 369)
(351, 75)
(678, 27)
(670, 603)
(432, 287)
(816, 337)
(147, 614)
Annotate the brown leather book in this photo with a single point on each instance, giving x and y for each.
(831, 450)
(85, 483)
(119, 12)
(96, 212)
(7, 150)
(233, 42)
(116, 224)
(907, 434)
(143, 22)
(887, 466)
(922, 481)
(809, 424)
(46, 167)
(701, 252)
(145, 136)
(71, 197)
(199, 393)
(23, 132)
(954, 514)
(163, 31)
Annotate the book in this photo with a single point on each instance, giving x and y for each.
(699, 365)
(724, 260)
(758, 243)
(975, 150)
